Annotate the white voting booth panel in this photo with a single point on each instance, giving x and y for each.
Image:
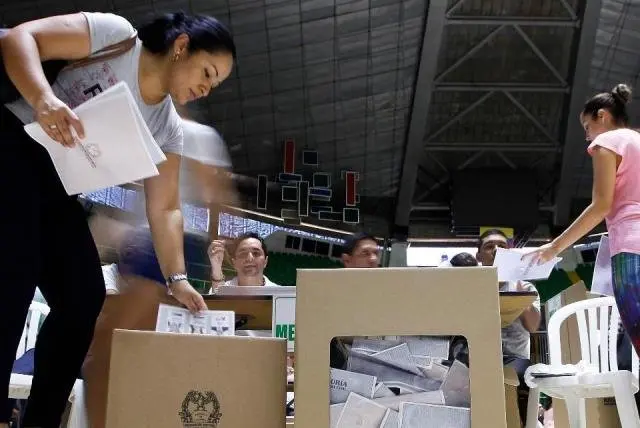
(398, 301)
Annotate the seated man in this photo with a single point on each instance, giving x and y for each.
(361, 251)
(516, 337)
(249, 258)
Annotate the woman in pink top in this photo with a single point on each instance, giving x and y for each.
(615, 151)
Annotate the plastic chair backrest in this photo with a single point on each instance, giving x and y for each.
(37, 312)
(598, 321)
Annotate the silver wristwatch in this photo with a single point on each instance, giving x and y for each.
(176, 277)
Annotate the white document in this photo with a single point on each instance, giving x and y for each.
(334, 414)
(430, 346)
(456, 386)
(391, 419)
(118, 147)
(414, 415)
(172, 319)
(511, 266)
(393, 403)
(344, 382)
(602, 282)
(435, 371)
(373, 345)
(398, 356)
(361, 412)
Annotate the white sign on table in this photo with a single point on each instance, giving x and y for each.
(284, 320)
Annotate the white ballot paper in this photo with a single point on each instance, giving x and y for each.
(172, 319)
(118, 147)
(344, 382)
(602, 282)
(391, 419)
(511, 266)
(361, 412)
(414, 415)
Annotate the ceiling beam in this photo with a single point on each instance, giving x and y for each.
(443, 146)
(498, 86)
(427, 69)
(574, 136)
(513, 20)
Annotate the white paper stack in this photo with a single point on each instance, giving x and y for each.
(400, 382)
(172, 319)
(118, 147)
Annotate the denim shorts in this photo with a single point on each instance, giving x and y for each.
(137, 257)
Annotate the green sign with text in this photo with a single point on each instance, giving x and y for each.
(284, 320)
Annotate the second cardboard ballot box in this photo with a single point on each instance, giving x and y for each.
(164, 380)
(397, 302)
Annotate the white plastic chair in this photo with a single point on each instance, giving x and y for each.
(37, 312)
(20, 385)
(598, 321)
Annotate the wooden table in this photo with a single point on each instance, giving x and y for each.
(513, 303)
(255, 312)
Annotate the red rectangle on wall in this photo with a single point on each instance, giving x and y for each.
(350, 188)
(289, 156)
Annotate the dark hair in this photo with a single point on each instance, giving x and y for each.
(615, 102)
(205, 33)
(488, 233)
(244, 237)
(352, 242)
(463, 260)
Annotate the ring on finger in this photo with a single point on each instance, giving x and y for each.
(53, 127)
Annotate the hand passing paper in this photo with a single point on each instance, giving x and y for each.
(512, 266)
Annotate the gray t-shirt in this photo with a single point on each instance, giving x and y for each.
(78, 85)
(516, 339)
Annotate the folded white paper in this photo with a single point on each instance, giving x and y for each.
(512, 267)
(118, 147)
(382, 390)
(361, 412)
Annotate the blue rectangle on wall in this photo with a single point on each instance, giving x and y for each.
(287, 178)
(320, 192)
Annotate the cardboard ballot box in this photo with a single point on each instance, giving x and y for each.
(164, 380)
(398, 301)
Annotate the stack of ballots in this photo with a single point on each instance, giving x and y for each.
(400, 382)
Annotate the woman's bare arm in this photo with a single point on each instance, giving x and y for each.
(27, 45)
